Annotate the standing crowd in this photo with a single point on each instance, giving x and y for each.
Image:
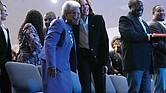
(77, 41)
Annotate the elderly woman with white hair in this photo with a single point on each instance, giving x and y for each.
(58, 45)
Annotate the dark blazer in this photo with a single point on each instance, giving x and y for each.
(159, 56)
(98, 39)
(136, 49)
(5, 55)
(5, 48)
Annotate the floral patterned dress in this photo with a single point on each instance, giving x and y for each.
(29, 45)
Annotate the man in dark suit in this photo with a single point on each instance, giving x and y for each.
(5, 51)
(157, 25)
(136, 48)
(92, 49)
(48, 17)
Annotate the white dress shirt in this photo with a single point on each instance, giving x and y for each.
(162, 23)
(140, 19)
(5, 32)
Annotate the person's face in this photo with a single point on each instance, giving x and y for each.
(47, 20)
(159, 13)
(4, 13)
(117, 46)
(137, 9)
(73, 17)
(84, 7)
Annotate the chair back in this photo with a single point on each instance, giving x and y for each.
(25, 78)
(109, 85)
(39, 67)
(120, 83)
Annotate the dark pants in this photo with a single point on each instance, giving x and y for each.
(86, 67)
(5, 81)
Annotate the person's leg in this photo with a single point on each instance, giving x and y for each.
(61, 83)
(146, 82)
(5, 81)
(44, 75)
(99, 80)
(84, 73)
(164, 80)
(134, 79)
(160, 80)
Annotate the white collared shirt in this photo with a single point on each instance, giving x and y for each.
(162, 23)
(140, 19)
(149, 36)
(5, 33)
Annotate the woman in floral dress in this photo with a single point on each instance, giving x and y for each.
(30, 38)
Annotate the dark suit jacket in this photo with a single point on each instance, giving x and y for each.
(98, 39)
(136, 49)
(5, 48)
(159, 56)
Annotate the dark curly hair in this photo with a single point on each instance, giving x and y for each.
(36, 19)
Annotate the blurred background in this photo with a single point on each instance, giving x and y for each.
(110, 9)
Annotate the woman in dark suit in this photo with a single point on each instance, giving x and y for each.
(92, 49)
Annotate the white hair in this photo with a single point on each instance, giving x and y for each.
(69, 6)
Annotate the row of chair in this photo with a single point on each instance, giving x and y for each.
(26, 78)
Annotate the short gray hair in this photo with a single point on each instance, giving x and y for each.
(68, 6)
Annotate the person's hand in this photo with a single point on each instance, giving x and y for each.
(52, 72)
(153, 41)
(104, 70)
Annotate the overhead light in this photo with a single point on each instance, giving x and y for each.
(54, 1)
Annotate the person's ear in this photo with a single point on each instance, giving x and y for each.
(133, 7)
(153, 12)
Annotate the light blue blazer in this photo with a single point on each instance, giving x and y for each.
(56, 53)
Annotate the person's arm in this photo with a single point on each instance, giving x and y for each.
(127, 29)
(51, 41)
(160, 42)
(103, 47)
